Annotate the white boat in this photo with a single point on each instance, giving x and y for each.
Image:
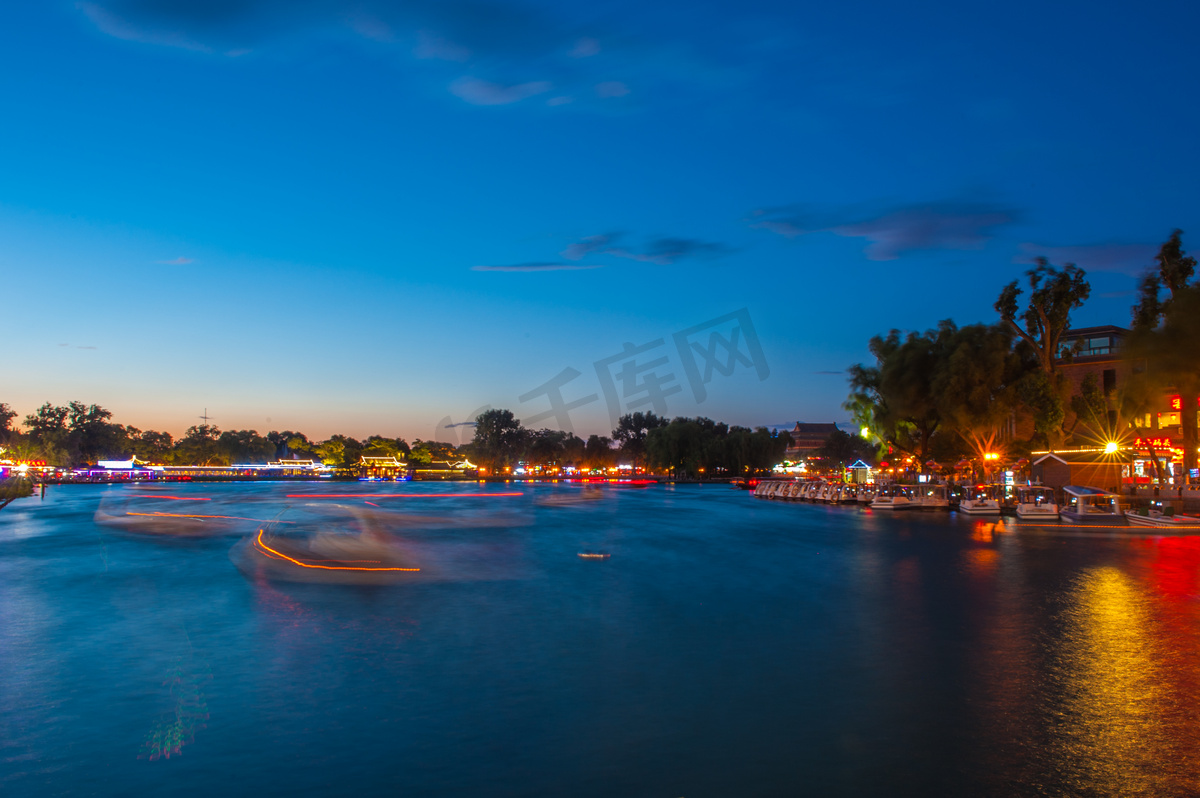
(866, 494)
(980, 500)
(1036, 503)
(1084, 505)
(892, 497)
(930, 497)
(1162, 519)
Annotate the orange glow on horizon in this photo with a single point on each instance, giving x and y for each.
(258, 541)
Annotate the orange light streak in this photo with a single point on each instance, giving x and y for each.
(191, 515)
(373, 504)
(392, 495)
(174, 498)
(259, 542)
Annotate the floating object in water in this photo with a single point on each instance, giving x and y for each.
(594, 555)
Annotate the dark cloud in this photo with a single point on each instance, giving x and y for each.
(839, 373)
(661, 251)
(537, 267)
(952, 225)
(1131, 259)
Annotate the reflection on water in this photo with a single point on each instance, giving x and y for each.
(728, 647)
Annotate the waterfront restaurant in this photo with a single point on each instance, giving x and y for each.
(388, 468)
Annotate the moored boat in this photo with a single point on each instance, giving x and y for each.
(980, 500)
(1162, 519)
(892, 497)
(1086, 505)
(930, 497)
(1036, 503)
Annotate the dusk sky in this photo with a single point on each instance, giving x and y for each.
(368, 217)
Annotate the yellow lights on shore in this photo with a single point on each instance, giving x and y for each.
(991, 456)
(1111, 447)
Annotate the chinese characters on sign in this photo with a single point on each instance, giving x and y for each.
(642, 376)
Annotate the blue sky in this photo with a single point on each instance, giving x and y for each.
(369, 218)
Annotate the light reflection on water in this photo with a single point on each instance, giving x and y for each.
(729, 646)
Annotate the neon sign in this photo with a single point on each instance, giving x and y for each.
(1154, 443)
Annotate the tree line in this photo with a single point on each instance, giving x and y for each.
(955, 392)
(682, 447)
(78, 434)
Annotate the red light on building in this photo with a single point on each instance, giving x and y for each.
(1157, 443)
(1176, 403)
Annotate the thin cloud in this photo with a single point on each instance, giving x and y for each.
(1131, 259)
(662, 251)
(839, 373)
(432, 46)
(611, 88)
(87, 347)
(538, 267)
(946, 225)
(180, 261)
(484, 92)
(585, 48)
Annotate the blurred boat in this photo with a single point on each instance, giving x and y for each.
(980, 500)
(1083, 504)
(1036, 503)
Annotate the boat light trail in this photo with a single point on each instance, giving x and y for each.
(258, 541)
(176, 498)
(394, 495)
(196, 515)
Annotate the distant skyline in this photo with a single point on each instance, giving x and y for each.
(380, 220)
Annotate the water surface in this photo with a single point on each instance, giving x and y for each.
(729, 646)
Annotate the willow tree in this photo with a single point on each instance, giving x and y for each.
(1162, 346)
(1040, 326)
(976, 385)
(895, 398)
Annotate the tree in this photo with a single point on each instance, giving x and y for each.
(7, 414)
(429, 451)
(631, 432)
(1053, 294)
(93, 436)
(1162, 345)
(598, 452)
(499, 439)
(49, 435)
(977, 384)
(198, 446)
(841, 449)
(895, 398)
(379, 446)
(150, 446)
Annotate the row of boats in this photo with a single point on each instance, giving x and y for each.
(1076, 504)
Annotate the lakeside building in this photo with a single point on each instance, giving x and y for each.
(1156, 435)
(807, 438)
(382, 468)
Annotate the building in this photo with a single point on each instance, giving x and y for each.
(382, 468)
(807, 438)
(1096, 468)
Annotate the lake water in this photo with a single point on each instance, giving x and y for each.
(728, 647)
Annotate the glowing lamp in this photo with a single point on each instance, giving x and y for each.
(865, 432)
(1111, 447)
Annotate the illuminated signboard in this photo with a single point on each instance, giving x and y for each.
(1157, 443)
(1176, 403)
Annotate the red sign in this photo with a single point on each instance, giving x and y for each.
(1176, 403)
(1157, 443)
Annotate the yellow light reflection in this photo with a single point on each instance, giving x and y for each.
(1109, 735)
